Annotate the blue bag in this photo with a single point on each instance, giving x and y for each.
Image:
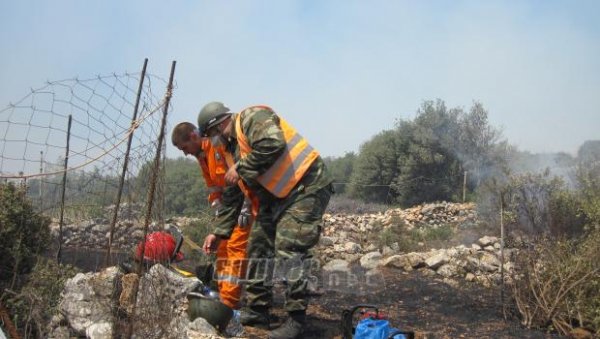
(370, 328)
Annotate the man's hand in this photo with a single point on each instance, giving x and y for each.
(232, 177)
(211, 242)
(245, 213)
(216, 205)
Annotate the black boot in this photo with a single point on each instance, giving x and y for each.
(256, 316)
(291, 328)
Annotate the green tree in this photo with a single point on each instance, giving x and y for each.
(477, 145)
(375, 168)
(341, 169)
(429, 167)
(424, 159)
(589, 151)
(185, 190)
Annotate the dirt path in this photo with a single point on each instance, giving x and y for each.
(424, 304)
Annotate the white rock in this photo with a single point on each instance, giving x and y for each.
(200, 327)
(446, 271)
(437, 260)
(101, 330)
(372, 247)
(371, 260)
(352, 247)
(387, 251)
(489, 262)
(487, 241)
(337, 265)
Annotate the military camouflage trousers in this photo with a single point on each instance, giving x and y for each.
(279, 248)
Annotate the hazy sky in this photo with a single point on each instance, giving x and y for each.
(340, 71)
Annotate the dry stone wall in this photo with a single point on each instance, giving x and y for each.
(345, 237)
(345, 242)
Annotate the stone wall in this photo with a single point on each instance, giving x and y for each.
(344, 238)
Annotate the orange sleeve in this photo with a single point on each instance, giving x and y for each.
(217, 165)
(206, 162)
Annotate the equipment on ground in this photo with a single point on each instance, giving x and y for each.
(206, 306)
(160, 247)
(372, 324)
(164, 248)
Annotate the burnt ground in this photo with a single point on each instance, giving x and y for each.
(415, 302)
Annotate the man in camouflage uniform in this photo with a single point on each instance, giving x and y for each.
(289, 219)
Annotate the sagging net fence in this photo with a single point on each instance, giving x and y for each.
(84, 148)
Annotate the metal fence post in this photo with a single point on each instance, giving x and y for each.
(151, 190)
(62, 199)
(125, 164)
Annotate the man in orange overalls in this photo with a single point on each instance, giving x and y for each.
(231, 253)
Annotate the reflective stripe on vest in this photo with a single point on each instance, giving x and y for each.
(233, 280)
(290, 167)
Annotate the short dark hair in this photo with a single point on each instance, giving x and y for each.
(181, 132)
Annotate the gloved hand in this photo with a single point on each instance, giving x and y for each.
(245, 214)
(216, 205)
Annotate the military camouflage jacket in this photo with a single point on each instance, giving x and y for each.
(266, 138)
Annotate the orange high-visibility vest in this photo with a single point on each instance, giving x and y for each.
(290, 167)
(213, 165)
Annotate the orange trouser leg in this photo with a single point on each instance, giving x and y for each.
(231, 266)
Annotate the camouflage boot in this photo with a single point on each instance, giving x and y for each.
(291, 328)
(257, 316)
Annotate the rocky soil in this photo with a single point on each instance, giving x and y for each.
(444, 288)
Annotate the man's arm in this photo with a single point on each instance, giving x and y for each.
(265, 136)
(232, 201)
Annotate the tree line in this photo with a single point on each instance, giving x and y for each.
(442, 154)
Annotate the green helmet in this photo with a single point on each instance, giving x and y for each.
(215, 312)
(211, 115)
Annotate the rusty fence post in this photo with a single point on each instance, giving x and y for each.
(150, 197)
(62, 199)
(108, 258)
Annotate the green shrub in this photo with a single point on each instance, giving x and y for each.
(558, 282)
(389, 235)
(533, 204)
(198, 228)
(37, 301)
(588, 178)
(441, 233)
(386, 236)
(566, 213)
(30, 284)
(408, 240)
(24, 234)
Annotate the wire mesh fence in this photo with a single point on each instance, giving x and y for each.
(85, 147)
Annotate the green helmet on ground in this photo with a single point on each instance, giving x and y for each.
(211, 115)
(215, 312)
